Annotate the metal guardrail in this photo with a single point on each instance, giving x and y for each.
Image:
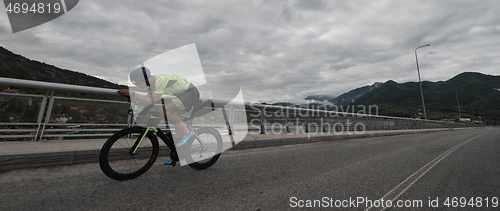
(262, 118)
(54, 86)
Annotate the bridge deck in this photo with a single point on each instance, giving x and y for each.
(26, 154)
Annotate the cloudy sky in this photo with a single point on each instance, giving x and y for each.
(275, 50)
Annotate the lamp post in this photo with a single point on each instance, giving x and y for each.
(418, 70)
(473, 116)
(459, 114)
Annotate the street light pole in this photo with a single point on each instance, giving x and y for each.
(473, 116)
(459, 114)
(420, 82)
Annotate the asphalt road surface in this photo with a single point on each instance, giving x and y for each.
(442, 170)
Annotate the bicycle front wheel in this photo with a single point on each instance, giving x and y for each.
(205, 151)
(117, 159)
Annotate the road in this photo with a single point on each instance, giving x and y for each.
(420, 170)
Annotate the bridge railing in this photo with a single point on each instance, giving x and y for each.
(42, 117)
(277, 119)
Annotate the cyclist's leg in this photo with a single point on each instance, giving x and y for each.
(178, 108)
(171, 109)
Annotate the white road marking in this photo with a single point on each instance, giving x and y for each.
(408, 182)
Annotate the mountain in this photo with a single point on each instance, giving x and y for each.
(21, 109)
(389, 91)
(349, 97)
(478, 95)
(320, 98)
(19, 67)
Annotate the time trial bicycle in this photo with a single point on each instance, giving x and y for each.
(130, 152)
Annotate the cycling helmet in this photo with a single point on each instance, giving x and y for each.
(140, 74)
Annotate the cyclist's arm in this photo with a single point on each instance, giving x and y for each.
(147, 98)
(141, 98)
(123, 92)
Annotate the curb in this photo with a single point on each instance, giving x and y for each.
(44, 159)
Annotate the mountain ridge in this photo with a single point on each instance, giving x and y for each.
(354, 94)
(476, 92)
(19, 67)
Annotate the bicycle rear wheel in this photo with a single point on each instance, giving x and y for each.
(205, 154)
(118, 162)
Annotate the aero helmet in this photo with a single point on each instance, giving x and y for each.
(140, 74)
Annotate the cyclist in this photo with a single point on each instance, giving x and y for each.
(186, 95)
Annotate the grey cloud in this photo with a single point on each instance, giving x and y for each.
(311, 4)
(339, 66)
(276, 50)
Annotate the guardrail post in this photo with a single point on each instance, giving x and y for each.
(48, 113)
(323, 125)
(287, 119)
(227, 120)
(307, 122)
(40, 114)
(231, 119)
(348, 126)
(263, 120)
(130, 116)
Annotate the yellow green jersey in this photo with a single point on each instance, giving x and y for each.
(169, 83)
